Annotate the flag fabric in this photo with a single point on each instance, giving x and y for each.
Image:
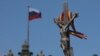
(68, 15)
(34, 14)
(78, 34)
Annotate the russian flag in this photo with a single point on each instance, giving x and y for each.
(34, 14)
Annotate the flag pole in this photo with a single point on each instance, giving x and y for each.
(28, 37)
(66, 22)
(65, 7)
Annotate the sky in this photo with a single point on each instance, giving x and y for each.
(44, 34)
